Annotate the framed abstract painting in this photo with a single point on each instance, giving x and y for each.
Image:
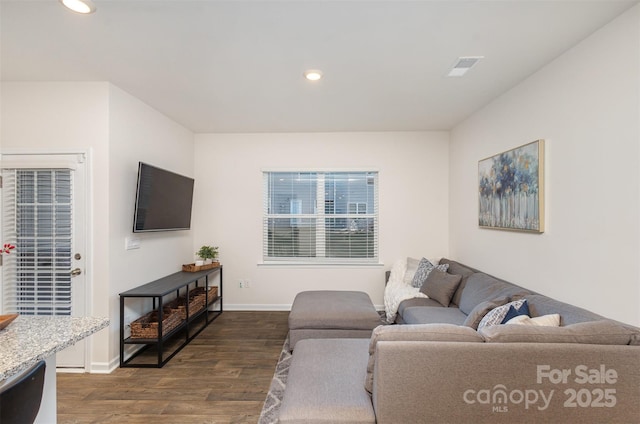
(511, 189)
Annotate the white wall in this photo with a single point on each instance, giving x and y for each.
(119, 130)
(139, 133)
(413, 175)
(52, 116)
(586, 105)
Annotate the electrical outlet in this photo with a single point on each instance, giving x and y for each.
(247, 284)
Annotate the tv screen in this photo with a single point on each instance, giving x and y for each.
(163, 200)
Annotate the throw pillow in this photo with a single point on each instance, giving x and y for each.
(481, 309)
(514, 312)
(424, 268)
(416, 333)
(496, 315)
(412, 267)
(440, 286)
(551, 320)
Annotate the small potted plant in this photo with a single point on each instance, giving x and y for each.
(208, 253)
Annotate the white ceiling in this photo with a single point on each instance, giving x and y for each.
(236, 66)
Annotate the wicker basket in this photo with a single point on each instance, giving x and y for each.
(197, 299)
(146, 327)
(213, 293)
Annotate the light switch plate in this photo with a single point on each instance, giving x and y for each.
(131, 243)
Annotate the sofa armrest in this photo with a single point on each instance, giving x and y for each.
(505, 382)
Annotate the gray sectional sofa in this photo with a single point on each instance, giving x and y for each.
(435, 367)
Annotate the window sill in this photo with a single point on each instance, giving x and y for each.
(286, 264)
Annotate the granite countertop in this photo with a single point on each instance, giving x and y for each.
(30, 339)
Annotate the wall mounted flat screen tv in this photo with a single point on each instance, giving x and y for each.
(163, 200)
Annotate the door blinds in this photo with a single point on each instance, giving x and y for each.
(37, 219)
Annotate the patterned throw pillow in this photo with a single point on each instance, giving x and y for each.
(424, 268)
(481, 309)
(514, 312)
(495, 316)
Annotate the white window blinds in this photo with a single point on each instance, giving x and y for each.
(37, 214)
(320, 217)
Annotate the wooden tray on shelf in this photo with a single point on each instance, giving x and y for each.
(193, 268)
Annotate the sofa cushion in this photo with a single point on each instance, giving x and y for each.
(569, 314)
(481, 309)
(417, 301)
(433, 315)
(603, 332)
(458, 269)
(441, 286)
(496, 315)
(481, 287)
(416, 333)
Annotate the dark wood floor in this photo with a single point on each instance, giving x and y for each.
(222, 376)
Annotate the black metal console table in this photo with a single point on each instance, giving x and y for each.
(180, 283)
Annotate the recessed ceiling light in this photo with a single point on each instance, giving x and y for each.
(79, 6)
(463, 64)
(313, 74)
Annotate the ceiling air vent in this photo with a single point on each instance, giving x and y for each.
(463, 65)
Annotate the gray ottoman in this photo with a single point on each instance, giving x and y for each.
(326, 384)
(331, 314)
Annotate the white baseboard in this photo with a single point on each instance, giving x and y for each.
(70, 370)
(104, 367)
(94, 368)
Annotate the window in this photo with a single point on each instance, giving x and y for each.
(326, 217)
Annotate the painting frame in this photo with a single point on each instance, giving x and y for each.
(511, 189)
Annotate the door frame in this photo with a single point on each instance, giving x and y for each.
(86, 153)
